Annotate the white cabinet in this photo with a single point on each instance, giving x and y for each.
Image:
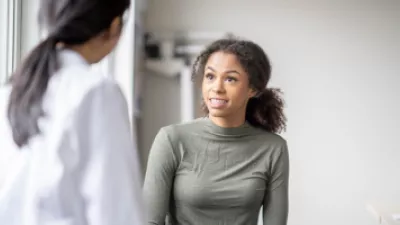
(385, 213)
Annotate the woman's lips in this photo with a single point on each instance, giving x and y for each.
(217, 103)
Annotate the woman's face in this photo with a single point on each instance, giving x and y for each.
(225, 87)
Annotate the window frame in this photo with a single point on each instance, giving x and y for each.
(11, 38)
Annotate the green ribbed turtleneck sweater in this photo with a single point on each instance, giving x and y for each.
(201, 174)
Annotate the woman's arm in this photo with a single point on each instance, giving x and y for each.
(110, 177)
(159, 178)
(276, 201)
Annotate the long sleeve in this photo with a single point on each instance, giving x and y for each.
(159, 178)
(276, 201)
(110, 176)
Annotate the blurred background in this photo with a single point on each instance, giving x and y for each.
(337, 61)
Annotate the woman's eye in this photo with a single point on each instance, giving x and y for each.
(209, 76)
(231, 79)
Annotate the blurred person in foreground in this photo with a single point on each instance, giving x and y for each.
(223, 168)
(65, 128)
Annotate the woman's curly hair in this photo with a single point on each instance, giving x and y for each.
(265, 110)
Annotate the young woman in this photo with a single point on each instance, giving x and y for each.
(66, 128)
(221, 169)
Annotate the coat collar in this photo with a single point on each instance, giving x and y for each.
(70, 57)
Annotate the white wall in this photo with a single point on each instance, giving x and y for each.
(338, 63)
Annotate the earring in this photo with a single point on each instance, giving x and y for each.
(257, 95)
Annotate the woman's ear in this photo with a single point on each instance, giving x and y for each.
(252, 93)
(115, 28)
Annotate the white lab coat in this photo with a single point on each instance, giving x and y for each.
(82, 169)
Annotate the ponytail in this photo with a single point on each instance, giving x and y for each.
(266, 111)
(29, 83)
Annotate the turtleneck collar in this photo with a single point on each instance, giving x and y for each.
(243, 130)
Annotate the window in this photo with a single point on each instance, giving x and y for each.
(3, 40)
(10, 38)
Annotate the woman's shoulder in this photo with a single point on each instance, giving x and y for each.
(79, 84)
(184, 127)
(184, 130)
(274, 138)
(83, 79)
(270, 139)
(79, 77)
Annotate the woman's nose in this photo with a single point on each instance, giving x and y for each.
(218, 86)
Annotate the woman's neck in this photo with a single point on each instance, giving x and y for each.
(227, 122)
